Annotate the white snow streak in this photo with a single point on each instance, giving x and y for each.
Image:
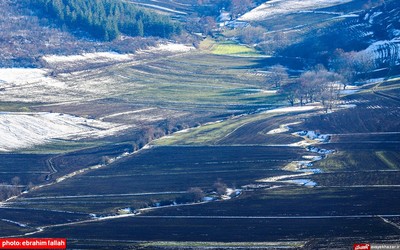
(24, 130)
(99, 57)
(292, 109)
(282, 7)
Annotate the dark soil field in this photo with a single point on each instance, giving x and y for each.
(34, 218)
(38, 168)
(257, 132)
(162, 174)
(103, 205)
(298, 201)
(28, 167)
(370, 115)
(9, 228)
(69, 162)
(225, 230)
(359, 178)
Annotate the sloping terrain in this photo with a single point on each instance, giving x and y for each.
(172, 147)
(25, 38)
(315, 30)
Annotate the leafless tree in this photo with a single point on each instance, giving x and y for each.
(195, 194)
(238, 7)
(220, 187)
(320, 85)
(350, 65)
(278, 76)
(291, 91)
(252, 35)
(15, 181)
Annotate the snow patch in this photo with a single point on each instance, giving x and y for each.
(292, 109)
(303, 182)
(269, 91)
(18, 77)
(282, 128)
(169, 47)
(103, 57)
(320, 150)
(24, 130)
(282, 7)
(387, 51)
(312, 135)
(347, 106)
(98, 56)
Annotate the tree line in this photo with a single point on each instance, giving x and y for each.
(322, 84)
(107, 19)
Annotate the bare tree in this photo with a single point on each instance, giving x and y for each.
(220, 187)
(196, 194)
(252, 35)
(208, 24)
(291, 91)
(238, 7)
(278, 76)
(309, 86)
(320, 85)
(351, 65)
(275, 43)
(16, 181)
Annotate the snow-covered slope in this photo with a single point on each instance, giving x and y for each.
(281, 7)
(315, 29)
(384, 22)
(384, 52)
(24, 130)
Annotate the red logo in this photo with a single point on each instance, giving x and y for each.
(33, 243)
(363, 246)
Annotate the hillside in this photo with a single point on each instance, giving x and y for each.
(314, 31)
(105, 19)
(26, 38)
(263, 125)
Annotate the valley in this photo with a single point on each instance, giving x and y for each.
(197, 146)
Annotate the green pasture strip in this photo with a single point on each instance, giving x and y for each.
(387, 158)
(358, 160)
(228, 48)
(59, 147)
(15, 107)
(211, 133)
(233, 50)
(189, 79)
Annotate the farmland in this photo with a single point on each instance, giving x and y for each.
(187, 146)
(358, 184)
(163, 174)
(347, 201)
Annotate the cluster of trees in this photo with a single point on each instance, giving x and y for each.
(196, 194)
(352, 66)
(235, 7)
(320, 84)
(207, 12)
(107, 19)
(252, 35)
(149, 133)
(314, 85)
(26, 37)
(13, 189)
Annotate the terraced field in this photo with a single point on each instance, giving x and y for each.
(354, 196)
(208, 117)
(161, 174)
